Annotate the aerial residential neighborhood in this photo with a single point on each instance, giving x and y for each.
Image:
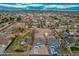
(39, 33)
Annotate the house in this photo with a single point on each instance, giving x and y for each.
(39, 48)
(53, 46)
(26, 41)
(69, 38)
(3, 45)
(38, 42)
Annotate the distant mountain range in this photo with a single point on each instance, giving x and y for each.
(39, 6)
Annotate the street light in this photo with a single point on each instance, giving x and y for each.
(46, 34)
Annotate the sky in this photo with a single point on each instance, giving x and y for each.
(39, 6)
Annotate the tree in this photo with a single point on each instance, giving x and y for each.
(18, 18)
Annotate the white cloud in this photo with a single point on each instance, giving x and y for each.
(35, 5)
(60, 6)
(15, 6)
(21, 5)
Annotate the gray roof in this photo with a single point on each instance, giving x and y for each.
(53, 46)
(53, 42)
(2, 35)
(37, 42)
(69, 38)
(52, 50)
(2, 49)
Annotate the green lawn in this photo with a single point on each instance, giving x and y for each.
(74, 48)
(16, 45)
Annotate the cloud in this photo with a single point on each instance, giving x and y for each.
(35, 5)
(60, 6)
(21, 5)
(15, 6)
